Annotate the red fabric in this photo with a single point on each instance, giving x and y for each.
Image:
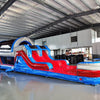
(30, 64)
(38, 58)
(60, 62)
(0, 61)
(69, 70)
(88, 73)
(58, 66)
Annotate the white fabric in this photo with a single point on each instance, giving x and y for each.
(9, 54)
(21, 40)
(94, 67)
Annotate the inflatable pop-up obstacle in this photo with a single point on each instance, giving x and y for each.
(25, 57)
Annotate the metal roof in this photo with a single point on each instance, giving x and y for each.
(42, 18)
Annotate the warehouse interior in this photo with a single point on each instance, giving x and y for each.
(70, 29)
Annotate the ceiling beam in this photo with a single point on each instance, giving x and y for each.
(6, 6)
(70, 16)
(68, 31)
(51, 7)
(55, 9)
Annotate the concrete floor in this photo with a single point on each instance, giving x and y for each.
(16, 86)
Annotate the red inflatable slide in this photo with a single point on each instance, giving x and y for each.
(59, 66)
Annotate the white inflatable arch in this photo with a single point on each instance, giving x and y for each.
(20, 40)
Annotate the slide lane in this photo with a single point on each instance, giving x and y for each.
(62, 63)
(38, 58)
(39, 66)
(58, 67)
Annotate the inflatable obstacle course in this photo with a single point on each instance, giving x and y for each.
(25, 57)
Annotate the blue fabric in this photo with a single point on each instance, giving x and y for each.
(5, 66)
(49, 53)
(29, 53)
(96, 59)
(10, 69)
(21, 62)
(89, 62)
(85, 80)
(32, 60)
(21, 66)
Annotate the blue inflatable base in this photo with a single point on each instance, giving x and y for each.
(5, 67)
(85, 80)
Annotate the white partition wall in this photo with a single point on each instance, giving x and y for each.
(38, 42)
(63, 41)
(96, 48)
(84, 38)
(57, 42)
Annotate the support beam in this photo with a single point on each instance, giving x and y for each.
(55, 9)
(6, 6)
(48, 6)
(68, 31)
(71, 16)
